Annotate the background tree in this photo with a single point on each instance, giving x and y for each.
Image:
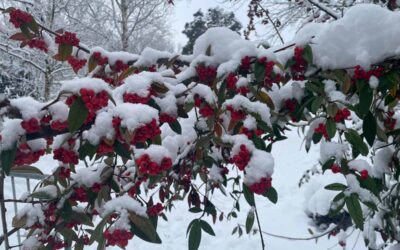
(215, 17)
(114, 25)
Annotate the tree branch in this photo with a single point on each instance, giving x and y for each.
(325, 9)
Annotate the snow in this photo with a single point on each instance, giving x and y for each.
(156, 153)
(33, 214)
(10, 133)
(238, 102)
(134, 115)
(88, 176)
(332, 149)
(95, 84)
(124, 202)
(366, 33)
(28, 107)
(260, 165)
(150, 56)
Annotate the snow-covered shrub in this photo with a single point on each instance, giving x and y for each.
(153, 128)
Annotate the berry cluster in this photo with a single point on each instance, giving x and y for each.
(145, 132)
(101, 60)
(364, 174)
(390, 122)
(59, 125)
(54, 242)
(66, 156)
(64, 173)
(135, 98)
(231, 81)
(269, 75)
(104, 148)
(31, 126)
(117, 237)
(360, 74)
(300, 65)
(79, 194)
(120, 66)
(19, 17)
(321, 129)
(204, 108)
(155, 210)
(236, 115)
(93, 101)
(206, 74)
(252, 132)
(166, 118)
(341, 115)
(336, 169)
(147, 166)
(261, 186)
(76, 63)
(39, 44)
(68, 38)
(242, 158)
(245, 64)
(26, 156)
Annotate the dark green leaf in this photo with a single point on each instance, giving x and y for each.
(144, 229)
(307, 54)
(121, 150)
(176, 126)
(271, 194)
(248, 195)
(77, 115)
(354, 208)
(195, 235)
(336, 187)
(206, 227)
(369, 128)
(7, 159)
(249, 222)
(356, 141)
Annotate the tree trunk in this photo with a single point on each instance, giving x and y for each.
(124, 25)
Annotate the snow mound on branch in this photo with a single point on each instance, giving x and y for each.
(367, 33)
(318, 199)
(226, 48)
(124, 203)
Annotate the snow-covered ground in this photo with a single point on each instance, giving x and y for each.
(286, 218)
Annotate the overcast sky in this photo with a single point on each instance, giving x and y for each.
(184, 9)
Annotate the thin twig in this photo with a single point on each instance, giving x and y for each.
(259, 227)
(12, 231)
(272, 22)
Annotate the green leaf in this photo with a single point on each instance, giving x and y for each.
(26, 169)
(259, 72)
(64, 52)
(87, 149)
(248, 195)
(97, 234)
(249, 221)
(206, 227)
(307, 54)
(366, 96)
(77, 115)
(121, 150)
(356, 141)
(175, 126)
(195, 235)
(144, 229)
(7, 158)
(41, 196)
(272, 195)
(316, 104)
(354, 208)
(195, 210)
(336, 187)
(221, 93)
(369, 128)
(328, 164)
(331, 128)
